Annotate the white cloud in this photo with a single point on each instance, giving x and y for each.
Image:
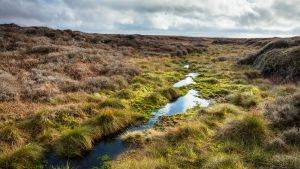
(181, 17)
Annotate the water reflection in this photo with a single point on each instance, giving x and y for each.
(192, 75)
(181, 105)
(184, 82)
(186, 66)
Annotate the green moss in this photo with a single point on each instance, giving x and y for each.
(149, 103)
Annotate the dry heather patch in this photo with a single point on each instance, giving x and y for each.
(279, 59)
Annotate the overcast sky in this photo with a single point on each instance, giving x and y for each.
(218, 18)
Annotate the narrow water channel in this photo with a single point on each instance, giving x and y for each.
(114, 146)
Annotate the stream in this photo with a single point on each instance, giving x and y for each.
(114, 146)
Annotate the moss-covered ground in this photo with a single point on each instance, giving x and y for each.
(232, 133)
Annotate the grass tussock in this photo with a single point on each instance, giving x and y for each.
(221, 110)
(27, 156)
(112, 103)
(124, 94)
(276, 145)
(223, 161)
(110, 121)
(292, 136)
(284, 112)
(285, 162)
(193, 130)
(11, 135)
(278, 59)
(73, 143)
(170, 93)
(249, 131)
(244, 99)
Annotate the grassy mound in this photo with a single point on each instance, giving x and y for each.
(192, 130)
(11, 135)
(170, 93)
(221, 110)
(73, 143)
(27, 156)
(292, 136)
(279, 59)
(223, 161)
(249, 131)
(112, 103)
(284, 112)
(285, 162)
(244, 99)
(276, 145)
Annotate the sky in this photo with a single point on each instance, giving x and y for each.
(210, 18)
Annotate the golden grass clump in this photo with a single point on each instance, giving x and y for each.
(249, 131)
(73, 143)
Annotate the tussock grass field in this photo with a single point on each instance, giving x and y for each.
(63, 91)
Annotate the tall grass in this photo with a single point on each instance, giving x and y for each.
(27, 156)
(73, 143)
(249, 131)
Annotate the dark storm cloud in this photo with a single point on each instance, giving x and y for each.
(183, 17)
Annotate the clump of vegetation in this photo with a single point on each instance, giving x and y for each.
(42, 49)
(210, 80)
(124, 94)
(249, 131)
(220, 59)
(170, 93)
(136, 138)
(39, 123)
(292, 136)
(112, 103)
(221, 110)
(284, 112)
(110, 121)
(95, 84)
(193, 130)
(11, 135)
(244, 99)
(8, 89)
(285, 161)
(223, 161)
(252, 74)
(278, 58)
(73, 143)
(27, 156)
(276, 145)
(7, 93)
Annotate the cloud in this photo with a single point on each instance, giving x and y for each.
(236, 18)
